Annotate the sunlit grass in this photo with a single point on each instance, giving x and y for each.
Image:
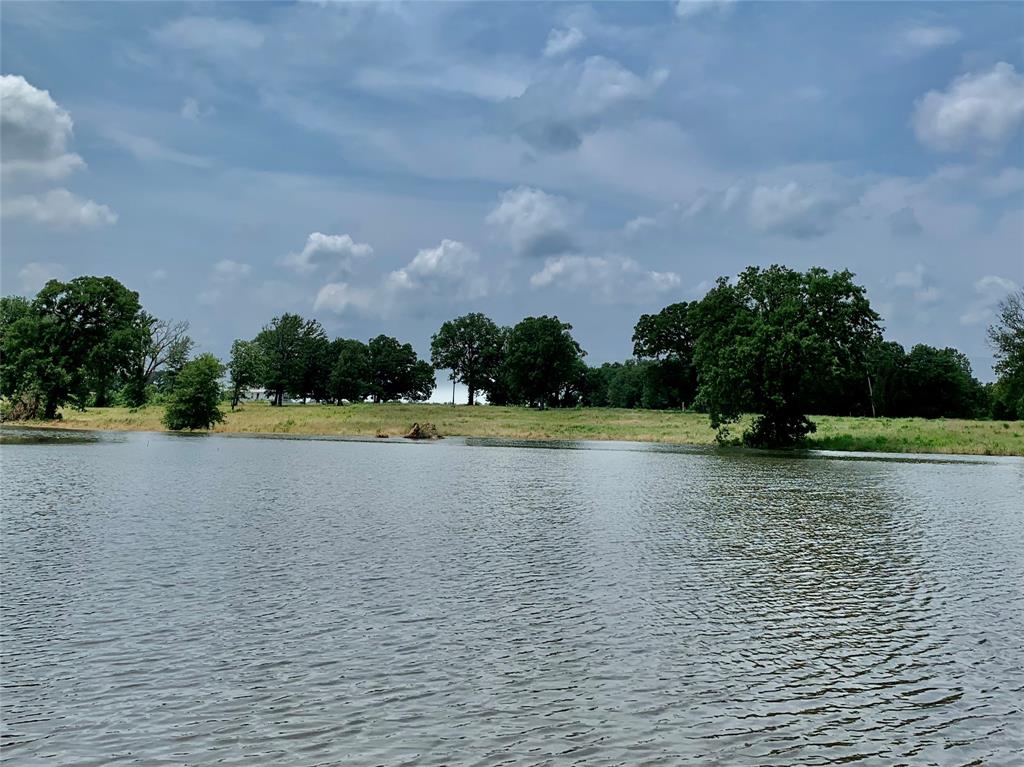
(900, 435)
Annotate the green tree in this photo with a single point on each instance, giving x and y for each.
(285, 344)
(351, 373)
(76, 339)
(194, 403)
(771, 341)
(1007, 339)
(667, 338)
(939, 384)
(470, 347)
(245, 368)
(544, 362)
(396, 372)
(165, 348)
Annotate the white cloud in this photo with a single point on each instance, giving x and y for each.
(450, 269)
(561, 41)
(536, 223)
(572, 99)
(445, 273)
(688, 9)
(35, 132)
(216, 37)
(34, 275)
(192, 110)
(339, 297)
(59, 208)
(489, 84)
(980, 111)
(228, 271)
(918, 283)
(989, 291)
(335, 250)
(928, 37)
(611, 279)
(792, 210)
(158, 275)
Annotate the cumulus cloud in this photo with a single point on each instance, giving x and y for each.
(192, 110)
(688, 9)
(793, 210)
(988, 291)
(611, 279)
(35, 132)
(929, 37)
(334, 250)
(340, 297)
(554, 112)
(536, 223)
(227, 271)
(979, 111)
(449, 271)
(561, 41)
(59, 208)
(34, 275)
(918, 284)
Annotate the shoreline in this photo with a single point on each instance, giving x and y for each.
(365, 420)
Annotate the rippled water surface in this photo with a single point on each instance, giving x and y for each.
(243, 601)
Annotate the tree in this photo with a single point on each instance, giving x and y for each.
(1007, 339)
(544, 362)
(75, 339)
(770, 343)
(165, 348)
(194, 403)
(470, 347)
(245, 368)
(938, 384)
(351, 373)
(667, 338)
(285, 345)
(396, 372)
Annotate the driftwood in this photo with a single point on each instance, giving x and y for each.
(423, 431)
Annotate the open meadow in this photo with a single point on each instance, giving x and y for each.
(897, 435)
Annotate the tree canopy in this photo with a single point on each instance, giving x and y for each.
(543, 361)
(194, 403)
(471, 347)
(770, 341)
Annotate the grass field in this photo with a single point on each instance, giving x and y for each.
(898, 435)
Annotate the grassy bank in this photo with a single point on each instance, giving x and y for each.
(900, 435)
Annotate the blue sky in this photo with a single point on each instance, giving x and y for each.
(386, 167)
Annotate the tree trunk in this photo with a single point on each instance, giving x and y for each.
(472, 399)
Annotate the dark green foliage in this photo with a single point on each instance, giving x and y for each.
(471, 347)
(246, 368)
(1007, 339)
(289, 345)
(773, 341)
(616, 384)
(396, 372)
(194, 402)
(351, 373)
(668, 338)
(73, 343)
(544, 364)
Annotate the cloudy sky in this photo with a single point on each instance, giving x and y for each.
(386, 167)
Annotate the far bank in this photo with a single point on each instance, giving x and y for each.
(896, 435)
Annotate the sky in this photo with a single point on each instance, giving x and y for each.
(385, 167)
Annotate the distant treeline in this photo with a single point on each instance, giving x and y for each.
(775, 342)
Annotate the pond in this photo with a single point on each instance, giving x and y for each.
(239, 601)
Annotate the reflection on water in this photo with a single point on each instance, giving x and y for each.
(235, 601)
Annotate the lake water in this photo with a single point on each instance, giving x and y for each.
(230, 601)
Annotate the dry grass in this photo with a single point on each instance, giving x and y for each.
(901, 435)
